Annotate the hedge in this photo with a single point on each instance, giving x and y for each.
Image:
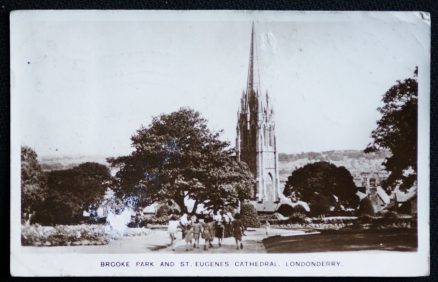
(248, 215)
(63, 235)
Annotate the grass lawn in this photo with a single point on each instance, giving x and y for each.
(345, 240)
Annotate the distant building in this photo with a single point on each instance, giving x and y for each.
(369, 187)
(369, 178)
(256, 140)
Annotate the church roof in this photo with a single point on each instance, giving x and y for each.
(383, 196)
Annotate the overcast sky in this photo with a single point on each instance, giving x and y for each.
(83, 83)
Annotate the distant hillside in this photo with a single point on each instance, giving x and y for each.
(66, 162)
(355, 161)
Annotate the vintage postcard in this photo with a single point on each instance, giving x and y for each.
(219, 143)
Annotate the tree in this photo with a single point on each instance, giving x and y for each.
(397, 131)
(33, 183)
(177, 157)
(72, 191)
(323, 185)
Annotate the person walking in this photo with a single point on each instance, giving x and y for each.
(184, 221)
(238, 230)
(212, 226)
(219, 231)
(268, 227)
(196, 232)
(172, 228)
(188, 237)
(206, 233)
(227, 224)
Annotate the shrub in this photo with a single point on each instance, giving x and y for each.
(249, 216)
(285, 210)
(163, 211)
(366, 207)
(365, 219)
(297, 217)
(63, 235)
(155, 220)
(343, 213)
(137, 231)
(390, 217)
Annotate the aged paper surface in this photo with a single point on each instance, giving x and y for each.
(219, 143)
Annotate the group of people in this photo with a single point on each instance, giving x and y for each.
(207, 227)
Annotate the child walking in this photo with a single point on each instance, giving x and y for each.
(196, 233)
(206, 234)
(219, 232)
(237, 231)
(188, 237)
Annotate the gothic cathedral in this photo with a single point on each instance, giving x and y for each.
(255, 142)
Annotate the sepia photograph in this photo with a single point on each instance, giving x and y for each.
(199, 142)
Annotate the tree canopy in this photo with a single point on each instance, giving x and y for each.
(71, 191)
(323, 185)
(397, 131)
(33, 182)
(178, 157)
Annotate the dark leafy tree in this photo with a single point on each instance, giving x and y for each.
(33, 183)
(72, 191)
(178, 157)
(321, 204)
(248, 216)
(366, 207)
(397, 131)
(323, 185)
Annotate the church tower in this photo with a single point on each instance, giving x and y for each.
(255, 141)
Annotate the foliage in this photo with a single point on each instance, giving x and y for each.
(321, 205)
(287, 210)
(63, 235)
(72, 191)
(297, 217)
(154, 219)
(334, 156)
(249, 216)
(391, 215)
(137, 231)
(397, 131)
(33, 183)
(323, 185)
(365, 219)
(178, 157)
(406, 207)
(366, 207)
(163, 211)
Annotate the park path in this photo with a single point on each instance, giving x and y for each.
(252, 242)
(157, 241)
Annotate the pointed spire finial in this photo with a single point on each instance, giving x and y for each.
(250, 85)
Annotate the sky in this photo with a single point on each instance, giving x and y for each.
(84, 82)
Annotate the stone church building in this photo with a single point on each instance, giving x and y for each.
(256, 140)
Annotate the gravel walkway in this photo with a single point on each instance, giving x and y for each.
(158, 240)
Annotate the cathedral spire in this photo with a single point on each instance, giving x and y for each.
(250, 83)
(255, 140)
